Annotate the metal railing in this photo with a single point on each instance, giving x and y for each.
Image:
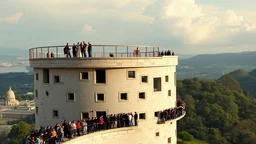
(97, 51)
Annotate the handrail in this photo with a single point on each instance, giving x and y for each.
(116, 50)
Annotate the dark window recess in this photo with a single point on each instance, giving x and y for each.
(57, 79)
(55, 113)
(169, 140)
(124, 96)
(157, 84)
(144, 79)
(169, 92)
(36, 93)
(71, 96)
(100, 97)
(84, 76)
(47, 93)
(166, 78)
(142, 95)
(85, 115)
(131, 74)
(101, 76)
(142, 116)
(37, 76)
(46, 76)
(36, 110)
(157, 134)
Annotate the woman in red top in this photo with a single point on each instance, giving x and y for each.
(101, 122)
(78, 127)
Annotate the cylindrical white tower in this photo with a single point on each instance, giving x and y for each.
(76, 88)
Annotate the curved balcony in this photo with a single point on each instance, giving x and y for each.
(98, 51)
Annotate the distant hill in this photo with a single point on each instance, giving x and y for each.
(220, 60)
(246, 80)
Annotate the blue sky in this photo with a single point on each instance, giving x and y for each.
(184, 26)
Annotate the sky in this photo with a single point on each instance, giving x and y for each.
(183, 26)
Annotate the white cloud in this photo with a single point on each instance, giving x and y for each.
(87, 27)
(13, 19)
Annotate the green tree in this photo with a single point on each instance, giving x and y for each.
(19, 132)
(185, 136)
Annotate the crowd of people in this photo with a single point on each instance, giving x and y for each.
(72, 129)
(171, 113)
(166, 53)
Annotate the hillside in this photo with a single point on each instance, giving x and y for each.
(21, 83)
(216, 113)
(212, 66)
(246, 80)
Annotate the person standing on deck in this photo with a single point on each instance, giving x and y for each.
(89, 49)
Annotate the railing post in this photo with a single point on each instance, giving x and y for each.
(103, 51)
(127, 51)
(36, 53)
(146, 52)
(116, 50)
(57, 53)
(47, 56)
(153, 51)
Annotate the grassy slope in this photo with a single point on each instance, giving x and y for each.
(195, 141)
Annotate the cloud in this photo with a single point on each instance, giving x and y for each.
(87, 27)
(13, 19)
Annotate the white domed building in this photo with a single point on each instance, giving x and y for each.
(10, 98)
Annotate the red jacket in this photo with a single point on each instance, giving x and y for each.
(78, 125)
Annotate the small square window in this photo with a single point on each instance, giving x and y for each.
(131, 74)
(36, 93)
(71, 97)
(169, 140)
(169, 92)
(37, 76)
(157, 134)
(157, 114)
(157, 84)
(123, 96)
(167, 78)
(36, 110)
(84, 115)
(84, 76)
(142, 95)
(56, 79)
(142, 116)
(55, 113)
(100, 97)
(47, 94)
(144, 79)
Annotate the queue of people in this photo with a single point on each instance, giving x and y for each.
(171, 113)
(166, 53)
(56, 134)
(78, 50)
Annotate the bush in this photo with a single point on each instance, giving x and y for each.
(185, 136)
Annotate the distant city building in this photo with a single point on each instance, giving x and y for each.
(128, 79)
(10, 98)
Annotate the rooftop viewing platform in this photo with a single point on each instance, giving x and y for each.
(97, 51)
(100, 56)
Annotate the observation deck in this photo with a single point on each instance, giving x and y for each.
(123, 56)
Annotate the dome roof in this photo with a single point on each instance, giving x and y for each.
(10, 94)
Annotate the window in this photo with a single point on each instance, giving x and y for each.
(175, 78)
(169, 140)
(166, 78)
(157, 134)
(157, 114)
(46, 75)
(100, 97)
(71, 97)
(55, 113)
(157, 84)
(37, 76)
(47, 94)
(101, 76)
(84, 76)
(36, 93)
(169, 92)
(56, 79)
(144, 79)
(142, 116)
(36, 110)
(131, 74)
(84, 115)
(123, 96)
(142, 95)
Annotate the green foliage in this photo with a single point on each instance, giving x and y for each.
(217, 113)
(238, 72)
(185, 136)
(229, 82)
(19, 132)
